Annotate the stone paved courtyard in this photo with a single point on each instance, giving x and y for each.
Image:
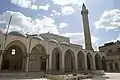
(107, 76)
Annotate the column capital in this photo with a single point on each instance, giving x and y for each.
(2, 52)
(26, 55)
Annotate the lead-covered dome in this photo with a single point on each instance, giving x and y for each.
(54, 41)
(38, 37)
(64, 43)
(15, 33)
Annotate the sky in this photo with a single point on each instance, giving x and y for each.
(63, 17)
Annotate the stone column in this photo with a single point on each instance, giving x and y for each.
(85, 67)
(94, 65)
(27, 62)
(76, 64)
(114, 69)
(62, 66)
(1, 58)
(47, 64)
(107, 66)
(50, 63)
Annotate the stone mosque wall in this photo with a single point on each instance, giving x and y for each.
(39, 55)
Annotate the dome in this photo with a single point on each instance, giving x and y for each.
(38, 37)
(15, 33)
(64, 43)
(53, 40)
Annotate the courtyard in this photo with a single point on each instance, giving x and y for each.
(107, 76)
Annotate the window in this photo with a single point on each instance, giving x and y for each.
(118, 49)
(110, 50)
(13, 52)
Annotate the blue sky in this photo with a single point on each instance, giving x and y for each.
(63, 17)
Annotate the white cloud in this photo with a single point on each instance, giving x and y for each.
(22, 23)
(109, 20)
(62, 25)
(51, 15)
(55, 13)
(23, 3)
(34, 7)
(67, 10)
(78, 38)
(31, 4)
(68, 2)
(44, 7)
(25, 24)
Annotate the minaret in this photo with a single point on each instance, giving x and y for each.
(87, 35)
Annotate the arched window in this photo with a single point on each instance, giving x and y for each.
(13, 52)
(116, 66)
(111, 66)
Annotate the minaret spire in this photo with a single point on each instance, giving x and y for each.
(83, 6)
(87, 35)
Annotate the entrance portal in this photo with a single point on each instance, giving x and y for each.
(69, 61)
(89, 61)
(12, 59)
(98, 62)
(38, 58)
(81, 61)
(56, 59)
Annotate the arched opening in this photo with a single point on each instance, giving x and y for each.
(117, 66)
(97, 62)
(38, 58)
(81, 61)
(89, 61)
(69, 61)
(13, 58)
(56, 59)
(111, 66)
(104, 64)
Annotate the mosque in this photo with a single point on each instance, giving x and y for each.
(49, 53)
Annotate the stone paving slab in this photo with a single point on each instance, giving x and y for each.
(107, 76)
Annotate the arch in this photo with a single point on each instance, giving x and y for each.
(64, 43)
(111, 66)
(38, 57)
(116, 66)
(89, 61)
(98, 62)
(16, 61)
(56, 59)
(104, 64)
(81, 61)
(38, 37)
(54, 41)
(69, 61)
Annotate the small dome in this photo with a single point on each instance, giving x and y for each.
(38, 37)
(53, 40)
(64, 43)
(15, 33)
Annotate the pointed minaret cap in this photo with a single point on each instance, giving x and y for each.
(83, 6)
